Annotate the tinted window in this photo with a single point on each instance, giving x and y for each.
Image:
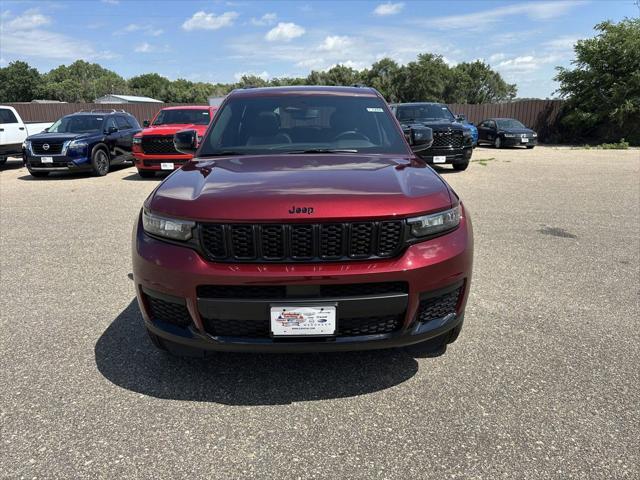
(7, 116)
(185, 117)
(122, 123)
(510, 123)
(408, 113)
(78, 124)
(287, 123)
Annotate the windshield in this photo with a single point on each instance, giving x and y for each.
(509, 123)
(303, 123)
(77, 124)
(410, 113)
(183, 117)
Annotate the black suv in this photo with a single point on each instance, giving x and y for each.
(452, 142)
(84, 141)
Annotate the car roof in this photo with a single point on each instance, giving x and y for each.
(306, 90)
(415, 104)
(99, 114)
(189, 107)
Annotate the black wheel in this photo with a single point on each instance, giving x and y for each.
(3, 160)
(497, 142)
(147, 173)
(157, 342)
(530, 146)
(460, 166)
(100, 162)
(38, 174)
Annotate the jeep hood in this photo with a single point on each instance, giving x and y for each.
(170, 129)
(266, 187)
(62, 137)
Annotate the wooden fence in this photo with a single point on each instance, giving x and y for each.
(537, 114)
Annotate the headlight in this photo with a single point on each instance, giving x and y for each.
(77, 145)
(435, 223)
(137, 140)
(26, 145)
(534, 134)
(466, 133)
(171, 228)
(510, 135)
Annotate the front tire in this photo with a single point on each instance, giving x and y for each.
(461, 166)
(155, 339)
(529, 147)
(497, 142)
(3, 160)
(146, 173)
(100, 163)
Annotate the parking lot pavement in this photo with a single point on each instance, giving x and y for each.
(543, 382)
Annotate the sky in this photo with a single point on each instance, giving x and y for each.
(219, 41)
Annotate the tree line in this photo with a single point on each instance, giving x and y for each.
(428, 78)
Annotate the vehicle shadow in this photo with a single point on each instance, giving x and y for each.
(54, 176)
(134, 177)
(126, 357)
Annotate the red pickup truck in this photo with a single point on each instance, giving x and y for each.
(153, 147)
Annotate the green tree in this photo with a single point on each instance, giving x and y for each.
(424, 80)
(337, 75)
(603, 88)
(149, 85)
(476, 82)
(384, 76)
(19, 82)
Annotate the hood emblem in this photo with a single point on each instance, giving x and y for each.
(45, 146)
(307, 210)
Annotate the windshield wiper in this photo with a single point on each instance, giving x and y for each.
(324, 150)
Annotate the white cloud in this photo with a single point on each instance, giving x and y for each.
(135, 27)
(143, 48)
(497, 57)
(111, 2)
(563, 43)
(335, 43)
(28, 20)
(37, 43)
(284, 31)
(388, 9)
(484, 19)
(209, 21)
(264, 20)
(263, 75)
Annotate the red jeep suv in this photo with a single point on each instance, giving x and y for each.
(153, 148)
(304, 222)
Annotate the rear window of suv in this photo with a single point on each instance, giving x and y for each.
(296, 123)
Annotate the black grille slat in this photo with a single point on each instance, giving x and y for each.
(243, 241)
(237, 328)
(158, 145)
(53, 148)
(438, 307)
(350, 327)
(174, 313)
(279, 292)
(301, 242)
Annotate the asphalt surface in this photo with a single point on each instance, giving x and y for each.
(542, 383)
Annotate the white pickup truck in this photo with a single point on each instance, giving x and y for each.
(13, 131)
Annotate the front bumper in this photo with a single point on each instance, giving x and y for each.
(155, 162)
(59, 163)
(9, 150)
(517, 142)
(450, 155)
(431, 269)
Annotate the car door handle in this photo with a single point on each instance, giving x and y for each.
(20, 128)
(1, 129)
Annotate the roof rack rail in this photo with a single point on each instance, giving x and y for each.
(359, 85)
(103, 110)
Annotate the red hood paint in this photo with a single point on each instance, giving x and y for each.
(173, 128)
(266, 187)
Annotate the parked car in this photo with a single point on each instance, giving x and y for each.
(469, 126)
(452, 142)
(13, 132)
(304, 222)
(506, 132)
(84, 141)
(153, 147)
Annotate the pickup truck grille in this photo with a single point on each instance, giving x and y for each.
(446, 139)
(158, 145)
(302, 242)
(52, 148)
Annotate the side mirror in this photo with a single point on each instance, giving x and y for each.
(461, 118)
(45, 130)
(186, 141)
(419, 137)
(111, 130)
(145, 123)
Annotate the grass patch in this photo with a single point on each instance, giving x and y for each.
(483, 161)
(621, 145)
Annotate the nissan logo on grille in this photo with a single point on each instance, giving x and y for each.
(45, 146)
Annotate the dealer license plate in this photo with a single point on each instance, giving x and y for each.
(303, 320)
(524, 140)
(166, 166)
(46, 159)
(440, 159)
